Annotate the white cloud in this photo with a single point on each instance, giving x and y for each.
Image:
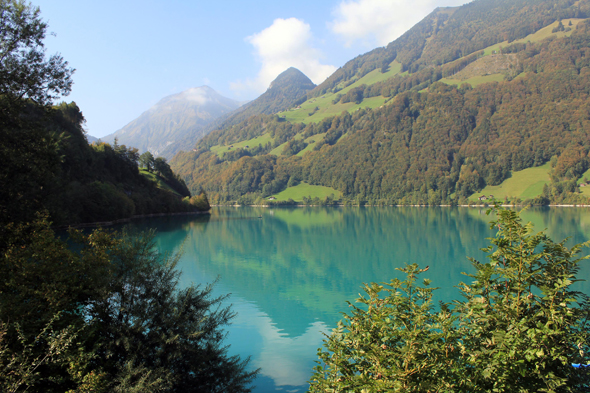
(196, 94)
(378, 22)
(286, 43)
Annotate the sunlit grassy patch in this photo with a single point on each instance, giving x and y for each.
(261, 140)
(539, 35)
(524, 184)
(476, 80)
(301, 190)
(158, 180)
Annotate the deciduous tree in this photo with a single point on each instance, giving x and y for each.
(519, 329)
(146, 160)
(25, 72)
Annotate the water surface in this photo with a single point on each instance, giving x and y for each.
(290, 271)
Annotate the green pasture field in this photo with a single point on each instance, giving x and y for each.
(374, 77)
(524, 184)
(585, 175)
(301, 190)
(277, 151)
(315, 138)
(475, 81)
(261, 140)
(585, 190)
(539, 35)
(301, 116)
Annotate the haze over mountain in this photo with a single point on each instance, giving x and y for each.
(288, 88)
(459, 102)
(176, 117)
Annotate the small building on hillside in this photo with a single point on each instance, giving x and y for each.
(485, 198)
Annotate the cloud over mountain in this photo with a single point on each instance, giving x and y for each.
(286, 43)
(378, 22)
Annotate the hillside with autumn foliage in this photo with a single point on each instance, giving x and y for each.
(464, 99)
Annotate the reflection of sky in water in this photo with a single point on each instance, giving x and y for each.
(291, 271)
(284, 359)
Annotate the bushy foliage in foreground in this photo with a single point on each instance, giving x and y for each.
(105, 314)
(519, 327)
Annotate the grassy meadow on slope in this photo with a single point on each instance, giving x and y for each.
(327, 108)
(261, 140)
(585, 190)
(539, 35)
(298, 192)
(524, 184)
(311, 142)
(475, 81)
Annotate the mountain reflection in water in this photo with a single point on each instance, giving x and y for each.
(291, 270)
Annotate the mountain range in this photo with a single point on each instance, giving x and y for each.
(464, 99)
(178, 121)
(174, 118)
(288, 87)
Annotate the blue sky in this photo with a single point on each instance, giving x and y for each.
(129, 54)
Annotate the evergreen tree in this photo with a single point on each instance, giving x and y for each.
(166, 338)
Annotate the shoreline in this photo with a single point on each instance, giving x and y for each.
(341, 205)
(123, 220)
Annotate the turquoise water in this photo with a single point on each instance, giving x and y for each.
(290, 271)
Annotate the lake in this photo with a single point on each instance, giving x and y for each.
(290, 271)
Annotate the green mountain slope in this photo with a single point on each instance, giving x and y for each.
(448, 34)
(284, 92)
(385, 129)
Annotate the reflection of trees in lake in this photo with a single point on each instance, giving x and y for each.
(314, 259)
(301, 264)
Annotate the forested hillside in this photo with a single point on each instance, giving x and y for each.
(50, 165)
(288, 89)
(429, 141)
(448, 34)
